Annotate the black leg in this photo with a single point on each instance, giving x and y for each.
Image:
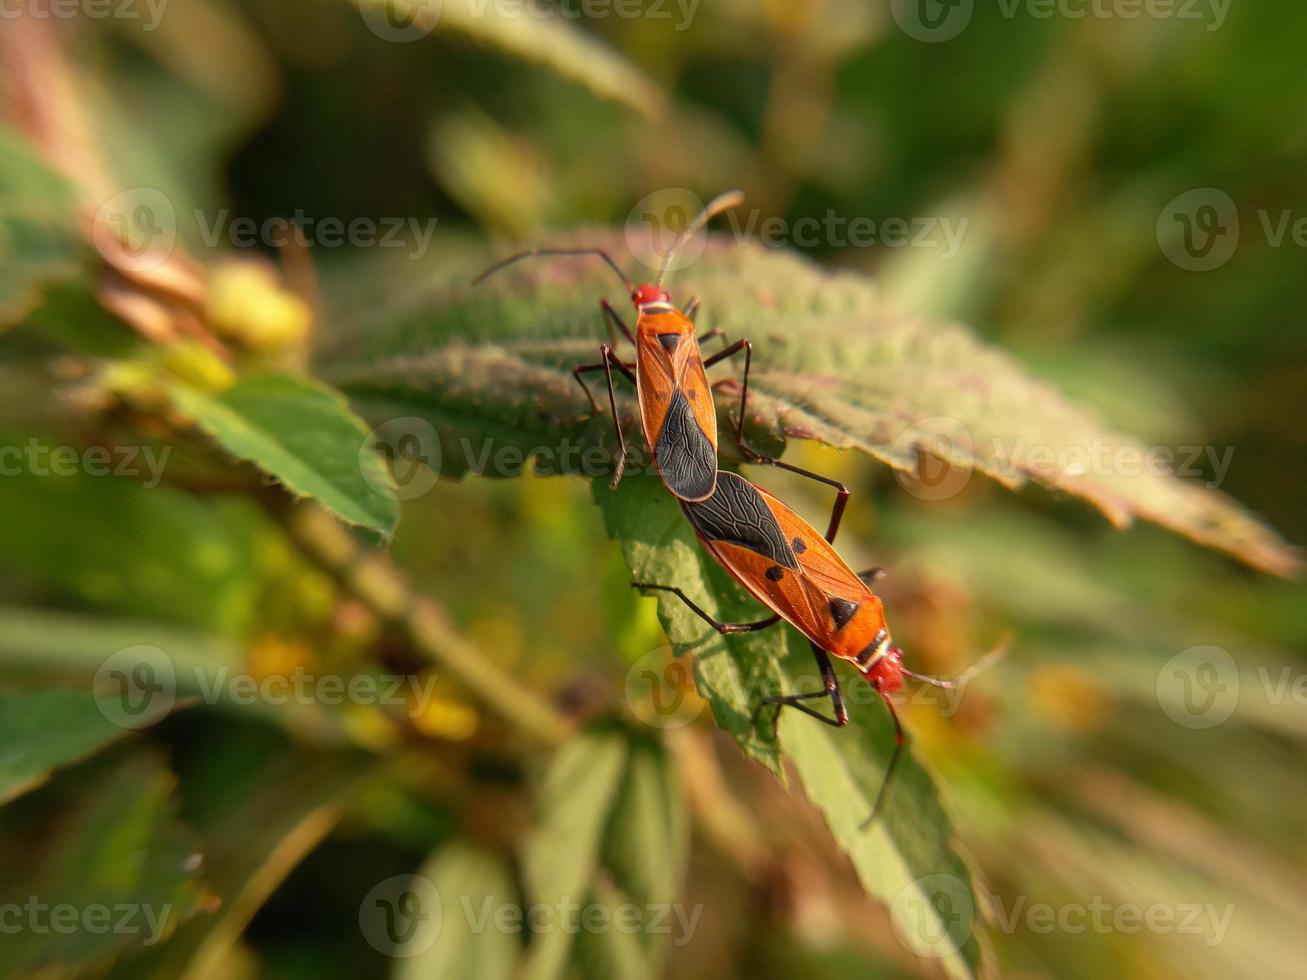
(610, 361)
(626, 369)
(723, 628)
(893, 761)
(613, 317)
(871, 575)
(751, 454)
(830, 689)
(726, 352)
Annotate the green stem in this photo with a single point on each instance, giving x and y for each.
(372, 578)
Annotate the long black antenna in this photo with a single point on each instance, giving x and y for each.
(716, 206)
(533, 252)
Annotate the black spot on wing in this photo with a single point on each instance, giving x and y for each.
(797, 546)
(670, 341)
(775, 573)
(737, 514)
(684, 455)
(841, 611)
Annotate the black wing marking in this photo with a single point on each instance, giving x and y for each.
(683, 453)
(841, 611)
(737, 514)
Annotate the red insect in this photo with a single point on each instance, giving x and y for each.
(796, 572)
(669, 373)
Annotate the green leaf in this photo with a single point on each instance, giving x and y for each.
(648, 835)
(534, 36)
(562, 854)
(644, 853)
(259, 804)
(126, 544)
(72, 316)
(610, 953)
(104, 837)
(612, 834)
(907, 858)
(660, 548)
(46, 644)
(303, 433)
(42, 730)
(40, 244)
(471, 883)
(832, 362)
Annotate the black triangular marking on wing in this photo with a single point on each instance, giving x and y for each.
(684, 455)
(841, 611)
(670, 341)
(737, 514)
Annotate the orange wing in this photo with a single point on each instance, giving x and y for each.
(676, 406)
(789, 567)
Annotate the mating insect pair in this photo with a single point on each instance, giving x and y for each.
(773, 552)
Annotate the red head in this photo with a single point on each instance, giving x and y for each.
(886, 672)
(647, 293)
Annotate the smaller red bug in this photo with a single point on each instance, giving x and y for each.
(677, 413)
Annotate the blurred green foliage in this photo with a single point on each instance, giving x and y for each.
(1091, 770)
